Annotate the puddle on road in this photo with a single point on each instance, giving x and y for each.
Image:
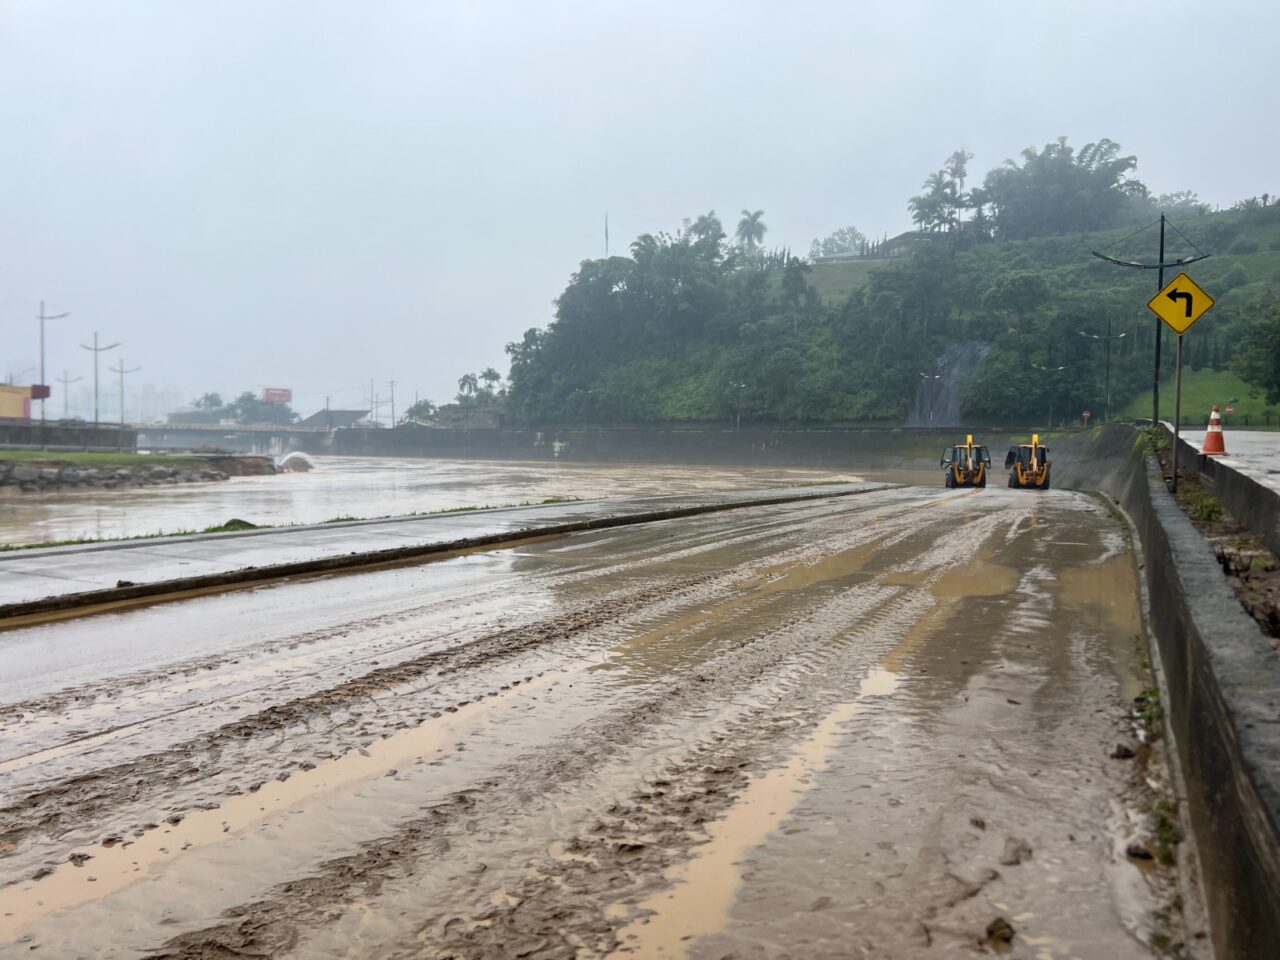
(111, 869)
(705, 888)
(978, 578)
(1107, 593)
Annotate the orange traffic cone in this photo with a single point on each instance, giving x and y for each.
(1213, 444)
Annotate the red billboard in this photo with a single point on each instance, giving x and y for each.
(277, 395)
(40, 391)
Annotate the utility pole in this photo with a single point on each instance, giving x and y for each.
(1155, 385)
(43, 317)
(122, 371)
(66, 381)
(393, 403)
(328, 417)
(1159, 265)
(97, 350)
(1106, 400)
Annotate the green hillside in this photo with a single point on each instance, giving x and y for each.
(692, 327)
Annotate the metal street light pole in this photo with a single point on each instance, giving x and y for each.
(66, 380)
(1160, 266)
(1049, 370)
(1106, 400)
(737, 409)
(122, 371)
(97, 350)
(43, 317)
(928, 389)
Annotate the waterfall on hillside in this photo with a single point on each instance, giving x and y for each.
(937, 402)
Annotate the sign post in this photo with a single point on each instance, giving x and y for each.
(1180, 303)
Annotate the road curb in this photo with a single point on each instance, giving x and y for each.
(244, 576)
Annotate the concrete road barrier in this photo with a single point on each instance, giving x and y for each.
(1223, 692)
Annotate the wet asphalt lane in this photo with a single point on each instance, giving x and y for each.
(857, 727)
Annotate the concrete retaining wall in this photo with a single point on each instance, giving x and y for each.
(1223, 695)
(28, 434)
(792, 447)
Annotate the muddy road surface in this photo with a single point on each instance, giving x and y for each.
(878, 726)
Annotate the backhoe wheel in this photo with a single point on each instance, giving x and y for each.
(1013, 481)
(1045, 484)
(948, 481)
(982, 482)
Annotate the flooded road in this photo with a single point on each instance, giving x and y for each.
(361, 487)
(876, 726)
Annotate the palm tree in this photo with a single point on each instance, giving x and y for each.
(920, 214)
(467, 387)
(707, 227)
(490, 377)
(957, 166)
(421, 410)
(751, 230)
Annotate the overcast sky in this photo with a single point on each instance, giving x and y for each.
(310, 194)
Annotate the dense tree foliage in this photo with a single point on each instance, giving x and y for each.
(1258, 360)
(693, 327)
(246, 408)
(845, 240)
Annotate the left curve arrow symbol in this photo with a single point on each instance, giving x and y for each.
(1176, 295)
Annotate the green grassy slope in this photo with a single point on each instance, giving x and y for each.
(1201, 389)
(835, 281)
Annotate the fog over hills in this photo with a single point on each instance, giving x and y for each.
(314, 195)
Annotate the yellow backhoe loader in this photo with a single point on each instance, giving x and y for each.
(1028, 465)
(966, 464)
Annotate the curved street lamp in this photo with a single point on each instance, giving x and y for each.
(1049, 370)
(926, 377)
(1106, 399)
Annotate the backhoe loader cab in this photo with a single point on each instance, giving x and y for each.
(1028, 465)
(966, 464)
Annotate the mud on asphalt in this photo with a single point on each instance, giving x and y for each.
(725, 691)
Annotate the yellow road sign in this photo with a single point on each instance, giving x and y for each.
(1181, 303)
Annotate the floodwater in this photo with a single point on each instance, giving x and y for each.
(866, 726)
(361, 487)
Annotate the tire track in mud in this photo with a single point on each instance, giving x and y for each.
(635, 562)
(52, 810)
(667, 820)
(790, 672)
(134, 784)
(80, 709)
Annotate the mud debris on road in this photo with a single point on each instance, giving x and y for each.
(878, 726)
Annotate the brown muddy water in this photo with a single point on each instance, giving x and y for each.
(361, 487)
(876, 726)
